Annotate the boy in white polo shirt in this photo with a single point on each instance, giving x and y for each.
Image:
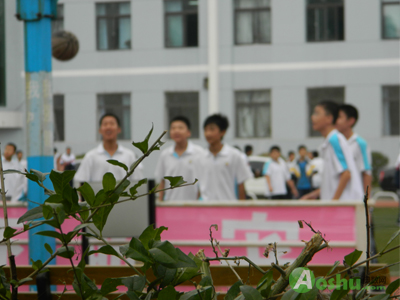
(277, 174)
(221, 168)
(179, 160)
(94, 165)
(348, 116)
(340, 178)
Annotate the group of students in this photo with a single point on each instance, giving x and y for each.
(222, 170)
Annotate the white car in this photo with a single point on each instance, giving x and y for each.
(257, 186)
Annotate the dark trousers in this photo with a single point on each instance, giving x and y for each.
(304, 192)
(278, 197)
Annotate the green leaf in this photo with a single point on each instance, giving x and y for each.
(32, 214)
(61, 179)
(352, 258)
(164, 253)
(167, 275)
(79, 227)
(185, 274)
(234, 291)
(167, 293)
(339, 294)
(137, 251)
(250, 293)
(333, 267)
(150, 234)
(395, 235)
(134, 283)
(109, 182)
(41, 176)
(22, 281)
(310, 295)
(122, 187)
(83, 212)
(144, 146)
(48, 248)
(133, 190)
(290, 295)
(393, 286)
(70, 200)
(51, 233)
(8, 232)
(132, 295)
(47, 212)
(36, 265)
(380, 297)
(110, 285)
(175, 181)
(100, 218)
(117, 163)
(265, 281)
(184, 261)
(66, 252)
(87, 193)
(107, 249)
(205, 293)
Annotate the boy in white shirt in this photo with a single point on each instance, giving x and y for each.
(67, 159)
(340, 178)
(314, 169)
(179, 160)
(277, 174)
(348, 116)
(221, 168)
(94, 165)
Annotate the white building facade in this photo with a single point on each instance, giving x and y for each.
(262, 63)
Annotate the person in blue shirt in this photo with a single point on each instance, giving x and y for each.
(303, 182)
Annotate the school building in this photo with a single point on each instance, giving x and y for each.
(263, 63)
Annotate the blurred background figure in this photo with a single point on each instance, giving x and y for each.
(67, 160)
(248, 150)
(314, 169)
(23, 163)
(303, 183)
(14, 183)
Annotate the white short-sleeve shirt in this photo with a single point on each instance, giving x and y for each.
(314, 169)
(14, 183)
(337, 157)
(171, 164)
(279, 174)
(220, 174)
(361, 153)
(94, 165)
(67, 159)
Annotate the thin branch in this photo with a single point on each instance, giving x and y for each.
(313, 230)
(22, 231)
(385, 267)
(227, 262)
(276, 254)
(13, 269)
(368, 252)
(275, 266)
(237, 258)
(363, 262)
(212, 240)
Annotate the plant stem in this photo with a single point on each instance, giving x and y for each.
(368, 252)
(275, 266)
(227, 262)
(13, 269)
(237, 258)
(385, 267)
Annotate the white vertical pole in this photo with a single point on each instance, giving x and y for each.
(213, 74)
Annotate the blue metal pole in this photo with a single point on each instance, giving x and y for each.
(39, 107)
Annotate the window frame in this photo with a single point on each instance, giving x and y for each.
(182, 13)
(116, 18)
(251, 105)
(121, 94)
(254, 10)
(383, 4)
(387, 100)
(62, 138)
(168, 107)
(325, 7)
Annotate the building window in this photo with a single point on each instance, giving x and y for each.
(181, 23)
(391, 107)
(315, 95)
(58, 23)
(253, 114)
(325, 20)
(113, 26)
(390, 19)
(252, 22)
(119, 105)
(184, 104)
(2, 56)
(58, 108)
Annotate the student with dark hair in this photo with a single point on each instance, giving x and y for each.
(348, 116)
(221, 167)
(14, 183)
(340, 178)
(94, 165)
(248, 150)
(303, 182)
(179, 160)
(277, 174)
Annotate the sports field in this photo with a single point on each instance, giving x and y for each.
(385, 222)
